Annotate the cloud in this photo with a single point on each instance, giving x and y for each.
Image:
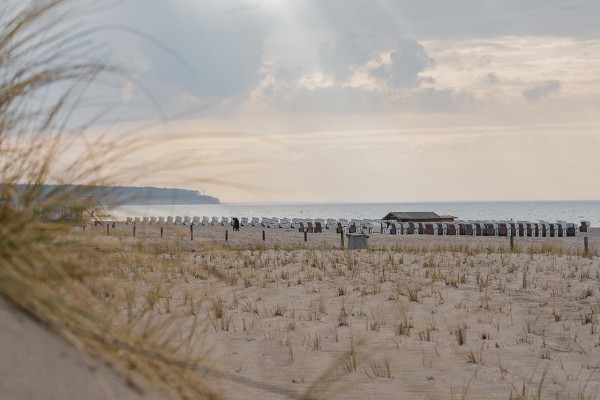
(428, 19)
(437, 100)
(334, 100)
(348, 51)
(408, 59)
(491, 78)
(541, 90)
(210, 50)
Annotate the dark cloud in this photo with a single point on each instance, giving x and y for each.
(349, 50)
(408, 60)
(541, 90)
(491, 78)
(408, 57)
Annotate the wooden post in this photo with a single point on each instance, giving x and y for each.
(226, 234)
(264, 238)
(342, 238)
(191, 232)
(161, 232)
(84, 227)
(585, 245)
(512, 245)
(107, 230)
(134, 231)
(305, 236)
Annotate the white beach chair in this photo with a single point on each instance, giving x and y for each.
(285, 223)
(161, 220)
(145, 220)
(295, 223)
(178, 220)
(196, 220)
(572, 229)
(331, 223)
(255, 221)
(136, 220)
(153, 220)
(205, 220)
(444, 229)
(244, 221)
(224, 221)
(187, 220)
(129, 221)
(170, 220)
(214, 221)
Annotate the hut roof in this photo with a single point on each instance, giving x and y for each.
(415, 216)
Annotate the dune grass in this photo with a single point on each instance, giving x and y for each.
(47, 62)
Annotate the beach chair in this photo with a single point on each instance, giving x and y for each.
(392, 229)
(170, 220)
(161, 220)
(136, 220)
(310, 227)
(205, 220)
(196, 220)
(428, 228)
(244, 221)
(352, 228)
(285, 223)
(301, 227)
(318, 227)
(584, 227)
(443, 229)
(129, 220)
(178, 220)
(153, 220)
(145, 220)
(187, 220)
(214, 221)
(344, 222)
(572, 230)
(404, 228)
(451, 229)
(502, 229)
(331, 223)
(553, 230)
(255, 221)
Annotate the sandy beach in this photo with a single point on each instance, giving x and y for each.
(412, 317)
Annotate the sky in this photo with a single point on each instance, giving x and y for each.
(360, 101)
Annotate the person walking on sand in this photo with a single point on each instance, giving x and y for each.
(236, 224)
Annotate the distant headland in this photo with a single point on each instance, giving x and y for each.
(130, 195)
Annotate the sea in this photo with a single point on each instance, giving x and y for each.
(551, 211)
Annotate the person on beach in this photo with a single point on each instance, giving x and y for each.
(236, 224)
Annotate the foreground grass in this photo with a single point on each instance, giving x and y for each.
(275, 322)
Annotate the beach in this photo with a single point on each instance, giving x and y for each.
(412, 317)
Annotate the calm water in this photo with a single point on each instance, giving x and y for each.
(571, 211)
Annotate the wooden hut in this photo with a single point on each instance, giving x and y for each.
(417, 216)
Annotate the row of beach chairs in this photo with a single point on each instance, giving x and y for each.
(318, 225)
(487, 228)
